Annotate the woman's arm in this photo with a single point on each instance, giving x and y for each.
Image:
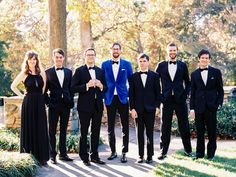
(19, 78)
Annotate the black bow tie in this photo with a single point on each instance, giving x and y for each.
(59, 68)
(145, 72)
(173, 62)
(202, 69)
(115, 62)
(91, 68)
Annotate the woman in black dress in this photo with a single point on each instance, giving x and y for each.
(34, 132)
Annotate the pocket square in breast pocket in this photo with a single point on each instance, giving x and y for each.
(212, 78)
(122, 69)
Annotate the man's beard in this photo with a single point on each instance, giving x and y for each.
(115, 55)
(172, 56)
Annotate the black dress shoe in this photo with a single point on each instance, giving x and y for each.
(140, 160)
(210, 158)
(197, 157)
(98, 161)
(65, 158)
(53, 160)
(112, 156)
(188, 154)
(162, 157)
(86, 162)
(149, 160)
(123, 158)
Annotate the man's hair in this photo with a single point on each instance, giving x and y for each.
(143, 55)
(90, 48)
(58, 50)
(172, 45)
(116, 43)
(203, 52)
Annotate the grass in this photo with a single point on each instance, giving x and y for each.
(178, 165)
(17, 165)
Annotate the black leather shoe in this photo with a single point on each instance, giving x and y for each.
(86, 162)
(112, 156)
(53, 160)
(140, 160)
(98, 161)
(188, 154)
(123, 158)
(210, 158)
(162, 157)
(197, 157)
(149, 160)
(65, 158)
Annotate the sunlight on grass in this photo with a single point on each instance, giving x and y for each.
(224, 165)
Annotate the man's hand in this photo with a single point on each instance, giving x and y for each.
(134, 114)
(192, 114)
(91, 83)
(98, 84)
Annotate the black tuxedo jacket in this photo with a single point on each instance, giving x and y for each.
(86, 98)
(210, 95)
(180, 85)
(55, 89)
(144, 98)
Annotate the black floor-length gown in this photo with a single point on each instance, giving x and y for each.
(34, 132)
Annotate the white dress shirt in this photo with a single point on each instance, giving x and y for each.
(115, 69)
(60, 76)
(204, 75)
(172, 70)
(144, 78)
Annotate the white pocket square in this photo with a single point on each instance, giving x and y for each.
(122, 69)
(212, 78)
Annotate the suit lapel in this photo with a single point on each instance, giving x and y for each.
(167, 70)
(86, 71)
(54, 74)
(120, 69)
(111, 70)
(199, 76)
(177, 69)
(140, 80)
(210, 75)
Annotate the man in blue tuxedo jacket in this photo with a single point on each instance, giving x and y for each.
(144, 97)
(206, 96)
(117, 73)
(175, 86)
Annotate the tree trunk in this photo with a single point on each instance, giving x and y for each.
(57, 26)
(85, 28)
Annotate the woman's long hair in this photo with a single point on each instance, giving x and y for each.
(25, 66)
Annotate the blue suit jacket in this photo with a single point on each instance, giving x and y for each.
(124, 74)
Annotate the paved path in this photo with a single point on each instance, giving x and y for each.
(114, 167)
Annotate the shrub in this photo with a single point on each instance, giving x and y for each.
(9, 140)
(226, 122)
(17, 165)
(72, 142)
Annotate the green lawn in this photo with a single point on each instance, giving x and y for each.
(176, 165)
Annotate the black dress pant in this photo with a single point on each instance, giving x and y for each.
(183, 124)
(123, 110)
(206, 119)
(86, 118)
(62, 112)
(146, 121)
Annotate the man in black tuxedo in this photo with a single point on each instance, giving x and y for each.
(175, 86)
(144, 94)
(59, 101)
(206, 96)
(89, 82)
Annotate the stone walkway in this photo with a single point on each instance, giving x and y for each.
(114, 167)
